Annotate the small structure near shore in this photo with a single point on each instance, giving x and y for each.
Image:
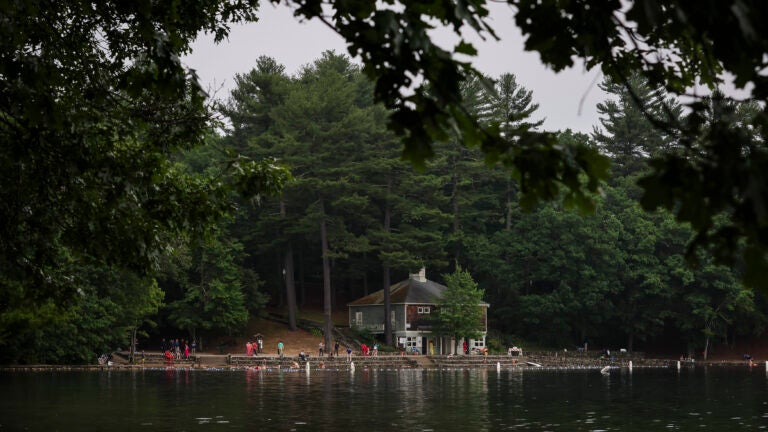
(412, 302)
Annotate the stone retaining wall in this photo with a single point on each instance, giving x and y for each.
(533, 361)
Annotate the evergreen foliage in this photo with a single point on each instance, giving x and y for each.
(105, 182)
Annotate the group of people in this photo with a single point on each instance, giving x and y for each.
(257, 347)
(253, 348)
(175, 348)
(369, 351)
(303, 356)
(321, 349)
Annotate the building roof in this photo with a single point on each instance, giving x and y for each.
(407, 291)
(411, 290)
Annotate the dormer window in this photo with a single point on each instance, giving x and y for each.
(424, 309)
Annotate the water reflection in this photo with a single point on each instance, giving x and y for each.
(373, 400)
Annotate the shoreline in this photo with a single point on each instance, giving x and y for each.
(365, 363)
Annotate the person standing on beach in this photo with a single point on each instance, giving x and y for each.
(320, 349)
(336, 349)
(248, 348)
(280, 347)
(349, 354)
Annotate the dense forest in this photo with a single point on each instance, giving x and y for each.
(355, 217)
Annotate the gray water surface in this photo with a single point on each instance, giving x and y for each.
(386, 400)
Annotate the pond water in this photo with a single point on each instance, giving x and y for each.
(383, 400)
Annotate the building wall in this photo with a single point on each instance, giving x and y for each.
(418, 317)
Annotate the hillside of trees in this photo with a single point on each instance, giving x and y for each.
(354, 218)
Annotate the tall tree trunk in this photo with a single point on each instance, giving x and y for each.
(508, 224)
(132, 351)
(302, 284)
(456, 222)
(281, 292)
(334, 287)
(385, 271)
(455, 201)
(326, 278)
(290, 285)
(706, 348)
(365, 279)
(387, 307)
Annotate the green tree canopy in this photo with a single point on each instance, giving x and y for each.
(460, 312)
(673, 45)
(86, 90)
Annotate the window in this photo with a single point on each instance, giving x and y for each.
(423, 309)
(358, 319)
(413, 341)
(479, 343)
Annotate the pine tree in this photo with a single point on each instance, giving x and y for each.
(629, 136)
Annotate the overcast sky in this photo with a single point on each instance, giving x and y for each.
(567, 99)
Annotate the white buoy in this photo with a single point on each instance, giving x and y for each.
(498, 366)
(678, 365)
(307, 367)
(630, 365)
(352, 366)
(605, 370)
(766, 366)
